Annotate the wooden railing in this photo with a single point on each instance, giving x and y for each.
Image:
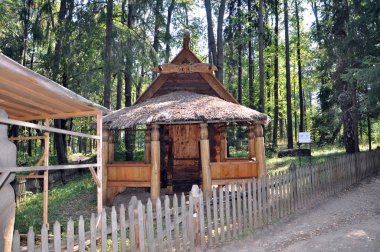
(128, 174)
(232, 170)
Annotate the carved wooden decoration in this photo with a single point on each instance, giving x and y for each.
(185, 68)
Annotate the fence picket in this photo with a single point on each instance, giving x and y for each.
(191, 223)
(259, 205)
(167, 222)
(238, 209)
(277, 190)
(93, 233)
(70, 236)
(215, 215)
(209, 221)
(114, 230)
(250, 215)
(123, 234)
(228, 211)
(44, 239)
(31, 240)
(81, 241)
(141, 217)
(160, 235)
(221, 214)
(233, 201)
(16, 241)
(244, 198)
(104, 230)
(202, 220)
(176, 222)
(264, 199)
(149, 225)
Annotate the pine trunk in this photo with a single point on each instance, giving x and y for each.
(261, 56)
(275, 88)
(210, 33)
(107, 56)
(300, 88)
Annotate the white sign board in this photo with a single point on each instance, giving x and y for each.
(304, 137)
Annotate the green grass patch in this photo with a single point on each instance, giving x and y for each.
(78, 197)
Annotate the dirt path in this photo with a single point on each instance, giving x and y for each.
(349, 221)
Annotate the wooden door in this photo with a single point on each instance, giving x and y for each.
(185, 156)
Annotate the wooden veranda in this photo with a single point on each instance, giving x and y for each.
(26, 96)
(185, 112)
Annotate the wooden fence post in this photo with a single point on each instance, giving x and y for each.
(194, 193)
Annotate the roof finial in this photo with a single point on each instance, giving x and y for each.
(186, 39)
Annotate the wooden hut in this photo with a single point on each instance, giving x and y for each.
(185, 111)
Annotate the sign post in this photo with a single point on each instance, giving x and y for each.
(303, 138)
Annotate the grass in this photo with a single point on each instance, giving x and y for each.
(78, 197)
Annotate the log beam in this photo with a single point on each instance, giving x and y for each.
(205, 159)
(155, 160)
(105, 154)
(260, 150)
(251, 142)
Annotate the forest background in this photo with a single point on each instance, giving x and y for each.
(311, 65)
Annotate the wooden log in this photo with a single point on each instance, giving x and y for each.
(251, 141)
(147, 146)
(260, 150)
(105, 155)
(155, 159)
(223, 144)
(46, 177)
(205, 159)
(31, 240)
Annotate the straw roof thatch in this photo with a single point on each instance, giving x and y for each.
(180, 107)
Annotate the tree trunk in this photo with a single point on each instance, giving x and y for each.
(119, 90)
(300, 89)
(156, 37)
(210, 33)
(261, 56)
(107, 56)
(167, 31)
(250, 57)
(346, 91)
(288, 87)
(219, 40)
(240, 49)
(275, 88)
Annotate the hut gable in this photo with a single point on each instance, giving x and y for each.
(186, 73)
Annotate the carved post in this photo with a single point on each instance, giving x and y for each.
(155, 160)
(223, 144)
(105, 154)
(111, 147)
(251, 141)
(260, 150)
(205, 159)
(147, 145)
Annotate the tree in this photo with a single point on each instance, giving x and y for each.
(288, 86)
(250, 56)
(300, 90)
(167, 31)
(261, 56)
(275, 88)
(108, 56)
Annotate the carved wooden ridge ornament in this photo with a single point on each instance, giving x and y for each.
(185, 68)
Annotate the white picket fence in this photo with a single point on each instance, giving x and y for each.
(203, 221)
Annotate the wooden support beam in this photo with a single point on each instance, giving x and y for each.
(24, 138)
(95, 176)
(185, 68)
(147, 146)
(155, 160)
(99, 156)
(251, 141)
(205, 159)
(105, 155)
(223, 144)
(260, 150)
(50, 167)
(45, 128)
(58, 115)
(46, 176)
(30, 176)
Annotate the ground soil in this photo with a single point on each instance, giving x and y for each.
(349, 221)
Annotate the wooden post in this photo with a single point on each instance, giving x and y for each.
(102, 168)
(260, 150)
(155, 160)
(105, 154)
(223, 144)
(147, 145)
(251, 141)
(111, 147)
(46, 175)
(205, 159)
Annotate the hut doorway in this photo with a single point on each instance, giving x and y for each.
(186, 165)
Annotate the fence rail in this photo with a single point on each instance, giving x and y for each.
(203, 221)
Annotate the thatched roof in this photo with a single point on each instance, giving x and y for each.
(183, 107)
